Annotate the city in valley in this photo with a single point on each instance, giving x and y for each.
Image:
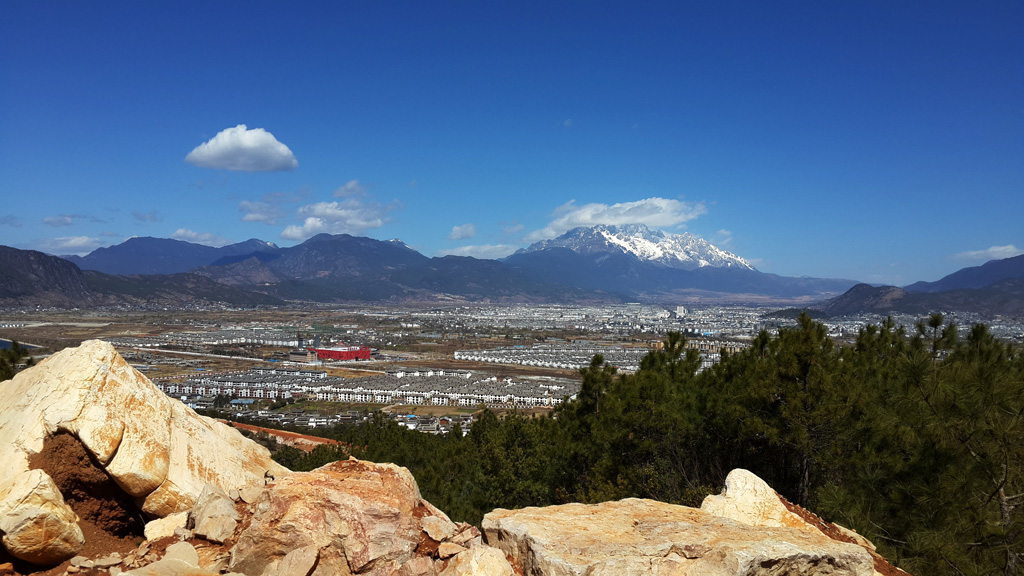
(429, 368)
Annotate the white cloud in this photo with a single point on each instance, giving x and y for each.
(10, 220)
(80, 245)
(723, 237)
(993, 253)
(462, 232)
(654, 212)
(488, 251)
(349, 216)
(351, 188)
(58, 221)
(152, 216)
(205, 238)
(259, 212)
(69, 219)
(512, 229)
(243, 150)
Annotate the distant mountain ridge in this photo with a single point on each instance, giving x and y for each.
(994, 288)
(585, 265)
(639, 264)
(597, 264)
(975, 276)
(1004, 298)
(148, 255)
(682, 251)
(33, 279)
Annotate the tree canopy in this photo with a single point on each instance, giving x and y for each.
(915, 441)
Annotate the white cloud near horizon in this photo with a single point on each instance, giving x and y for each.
(63, 246)
(991, 253)
(204, 238)
(483, 251)
(242, 150)
(62, 220)
(653, 212)
(352, 215)
(58, 221)
(462, 232)
(152, 216)
(259, 212)
(272, 207)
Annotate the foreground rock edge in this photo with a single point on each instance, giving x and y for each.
(378, 523)
(157, 450)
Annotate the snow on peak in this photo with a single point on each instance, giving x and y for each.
(684, 250)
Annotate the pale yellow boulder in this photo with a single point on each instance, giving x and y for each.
(36, 524)
(750, 500)
(164, 527)
(480, 561)
(635, 537)
(156, 449)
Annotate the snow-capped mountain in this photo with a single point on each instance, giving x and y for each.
(682, 251)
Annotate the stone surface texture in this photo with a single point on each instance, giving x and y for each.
(750, 500)
(361, 517)
(164, 527)
(207, 484)
(156, 449)
(643, 537)
(214, 516)
(480, 561)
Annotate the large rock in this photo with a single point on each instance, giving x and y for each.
(635, 537)
(750, 500)
(349, 517)
(480, 561)
(156, 449)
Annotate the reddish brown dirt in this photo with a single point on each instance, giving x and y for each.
(882, 566)
(300, 441)
(109, 519)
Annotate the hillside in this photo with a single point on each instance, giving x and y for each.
(35, 279)
(108, 473)
(975, 276)
(147, 255)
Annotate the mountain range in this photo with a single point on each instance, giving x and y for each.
(585, 265)
(682, 251)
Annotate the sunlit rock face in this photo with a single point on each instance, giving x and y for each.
(158, 451)
(634, 537)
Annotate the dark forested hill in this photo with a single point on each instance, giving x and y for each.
(1005, 297)
(32, 278)
(975, 277)
(146, 255)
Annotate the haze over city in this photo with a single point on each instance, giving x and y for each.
(865, 140)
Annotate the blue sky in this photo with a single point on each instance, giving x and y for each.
(877, 141)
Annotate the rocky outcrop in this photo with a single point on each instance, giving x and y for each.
(750, 500)
(350, 517)
(345, 518)
(643, 537)
(157, 451)
(214, 512)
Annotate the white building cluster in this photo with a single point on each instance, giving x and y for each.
(419, 387)
(565, 356)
